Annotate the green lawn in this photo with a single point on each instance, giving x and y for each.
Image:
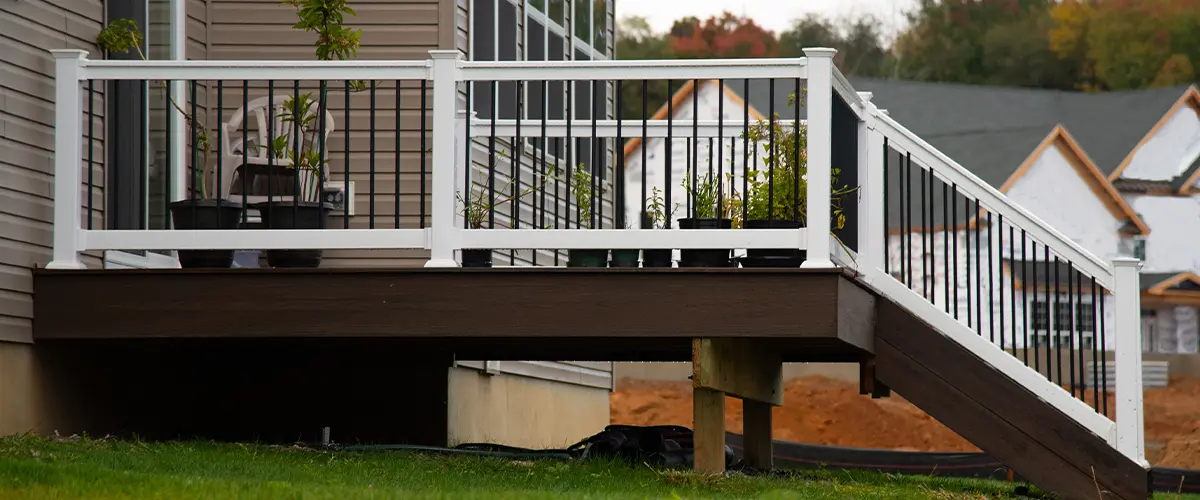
(32, 468)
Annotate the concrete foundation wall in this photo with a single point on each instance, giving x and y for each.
(20, 405)
(522, 411)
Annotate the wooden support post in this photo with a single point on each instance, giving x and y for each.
(708, 412)
(745, 368)
(868, 383)
(756, 437)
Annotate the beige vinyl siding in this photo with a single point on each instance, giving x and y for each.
(408, 30)
(28, 30)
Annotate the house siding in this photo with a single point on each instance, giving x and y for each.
(28, 29)
(1161, 158)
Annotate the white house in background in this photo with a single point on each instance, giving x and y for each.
(1107, 169)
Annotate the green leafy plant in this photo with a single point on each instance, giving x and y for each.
(656, 210)
(334, 41)
(780, 191)
(122, 36)
(475, 209)
(581, 190)
(298, 113)
(711, 198)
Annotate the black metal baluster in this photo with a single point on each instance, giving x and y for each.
(619, 177)
(978, 272)
(967, 243)
(424, 149)
(689, 173)
(271, 153)
(492, 159)
(193, 189)
(946, 229)
(796, 161)
(1079, 329)
(597, 159)
(567, 153)
(371, 156)
(1095, 353)
(543, 145)
(1057, 324)
(1037, 301)
(745, 149)
(1026, 280)
(924, 233)
(905, 224)
(220, 146)
(91, 148)
(245, 148)
(929, 230)
(517, 156)
(322, 110)
(558, 154)
(645, 146)
(695, 138)
(720, 142)
(1103, 361)
(1049, 300)
(1071, 326)
(887, 208)
(670, 147)
(771, 152)
(954, 226)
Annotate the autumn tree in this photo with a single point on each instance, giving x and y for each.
(727, 36)
(1126, 44)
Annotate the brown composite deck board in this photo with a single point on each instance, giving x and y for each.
(997, 414)
(527, 303)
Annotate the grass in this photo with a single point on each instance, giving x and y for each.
(33, 468)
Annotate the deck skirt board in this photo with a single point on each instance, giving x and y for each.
(799, 307)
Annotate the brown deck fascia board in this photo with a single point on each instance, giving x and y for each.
(443, 303)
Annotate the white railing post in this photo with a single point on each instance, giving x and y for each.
(870, 193)
(820, 154)
(444, 72)
(1127, 342)
(68, 139)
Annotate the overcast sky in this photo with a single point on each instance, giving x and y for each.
(775, 15)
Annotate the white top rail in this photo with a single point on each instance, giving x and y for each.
(686, 69)
(629, 129)
(951, 172)
(252, 70)
(843, 88)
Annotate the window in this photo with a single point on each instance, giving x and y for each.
(581, 18)
(1139, 248)
(1084, 319)
(599, 26)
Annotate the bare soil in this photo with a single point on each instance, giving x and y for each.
(820, 410)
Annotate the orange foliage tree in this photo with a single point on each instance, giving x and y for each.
(724, 36)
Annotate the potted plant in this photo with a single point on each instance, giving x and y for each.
(198, 211)
(304, 164)
(655, 217)
(777, 195)
(476, 209)
(303, 171)
(710, 211)
(581, 189)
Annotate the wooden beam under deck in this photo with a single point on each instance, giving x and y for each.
(507, 313)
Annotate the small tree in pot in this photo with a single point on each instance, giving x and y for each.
(198, 210)
(711, 210)
(581, 190)
(475, 210)
(655, 217)
(777, 196)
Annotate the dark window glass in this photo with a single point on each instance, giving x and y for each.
(484, 50)
(508, 100)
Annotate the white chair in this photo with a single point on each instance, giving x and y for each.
(241, 145)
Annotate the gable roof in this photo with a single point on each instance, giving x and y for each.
(1189, 97)
(677, 100)
(1091, 175)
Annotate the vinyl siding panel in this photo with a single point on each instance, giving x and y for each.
(28, 30)
(393, 30)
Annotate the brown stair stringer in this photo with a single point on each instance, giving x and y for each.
(997, 414)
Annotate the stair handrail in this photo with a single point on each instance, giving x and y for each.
(952, 172)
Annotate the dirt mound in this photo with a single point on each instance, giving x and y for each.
(816, 410)
(820, 410)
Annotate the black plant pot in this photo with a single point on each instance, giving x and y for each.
(706, 257)
(477, 257)
(287, 214)
(587, 258)
(206, 214)
(783, 257)
(656, 258)
(625, 258)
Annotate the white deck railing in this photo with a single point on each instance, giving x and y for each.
(447, 73)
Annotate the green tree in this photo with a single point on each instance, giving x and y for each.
(636, 40)
(860, 44)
